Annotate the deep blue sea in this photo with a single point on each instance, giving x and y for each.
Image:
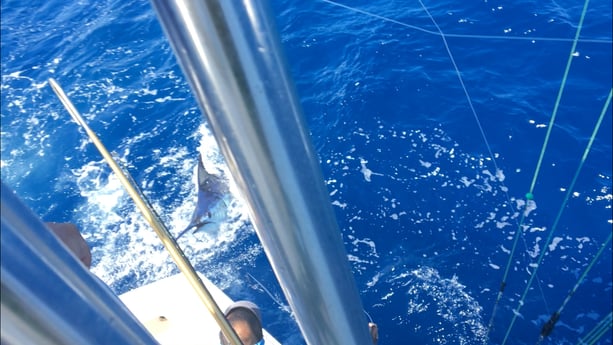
(427, 172)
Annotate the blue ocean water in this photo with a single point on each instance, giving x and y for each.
(428, 193)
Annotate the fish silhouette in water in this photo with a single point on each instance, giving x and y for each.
(211, 204)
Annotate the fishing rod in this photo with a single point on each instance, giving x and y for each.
(153, 219)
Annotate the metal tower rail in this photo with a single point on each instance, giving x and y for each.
(48, 297)
(230, 53)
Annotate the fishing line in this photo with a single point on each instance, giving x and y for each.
(272, 297)
(598, 331)
(468, 98)
(484, 137)
(548, 327)
(559, 97)
(480, 37)
(529, 195)
(503, 283)
(561, 210)
(284, 307)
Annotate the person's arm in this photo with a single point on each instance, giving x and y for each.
(70, 235)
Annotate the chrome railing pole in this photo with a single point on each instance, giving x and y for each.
(48, 296)
(231, 55)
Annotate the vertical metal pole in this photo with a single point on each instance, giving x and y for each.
(48, 296)
(229, 51)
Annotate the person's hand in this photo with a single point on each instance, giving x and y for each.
(71, 237)
(374, 332)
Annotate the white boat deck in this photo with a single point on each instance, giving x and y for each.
(172, 312)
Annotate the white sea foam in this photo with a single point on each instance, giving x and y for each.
(466, 181)
(505, 250)
(373, 281)
(554, 243)
(447, 300)
(370, 244)
(367, 172)
(425, 164)
(501, 225)
(108, 208)
(339, 204)
(536, 249)
(530, 206)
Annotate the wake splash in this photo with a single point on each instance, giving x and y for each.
(126, 251)
(440, 307)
